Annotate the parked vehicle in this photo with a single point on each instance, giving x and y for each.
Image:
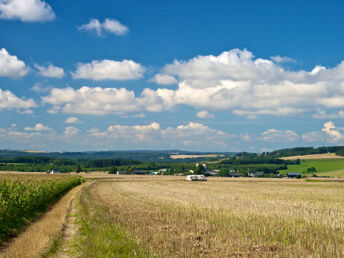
(196, 178)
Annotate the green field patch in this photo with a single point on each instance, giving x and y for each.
(335, 173)
(324, 167)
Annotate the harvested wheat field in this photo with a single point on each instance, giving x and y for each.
(194, 156)
(315, 156)
(167, 217)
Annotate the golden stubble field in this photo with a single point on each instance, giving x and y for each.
(315, 156)
(168, 217)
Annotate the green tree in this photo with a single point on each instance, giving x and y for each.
(224, 172)
(200, 170)
(113, 170)
(78, 168)
(180, 170)
(311, 170)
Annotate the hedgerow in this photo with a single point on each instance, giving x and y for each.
(22, 200)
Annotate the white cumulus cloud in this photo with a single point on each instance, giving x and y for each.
(109, 70)
(38, 87)
(72, 120)
(71, 131)
(187, 135)
(10, 101)
(11, 66)
(274, 135)
(204, 114)
(132, 133)
(139, 115)
(99, 101)
(111, 26)
(315, 136)
(88, 100)
(321, 114)
(26, 10)
(234, 80)
(50, 71)
(38, 128)
(164, 79)
(282, 59)
(332, 131)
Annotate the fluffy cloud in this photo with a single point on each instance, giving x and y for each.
(38, 87)
(139, 115)
(315, 136)
(204, 114)
(273, 135)
(329, 134)
(164, 79)
(332, 131)
(282, 59)
(189, 135)
(323, 115)
(131, 133)
(11, 66)
(40, 137)
(72, 120)
(235, 65)
(98, 101)
(38, 128)
(152, 135)
(197, 134)
(109, 70)
(108, 26)
(32, 137)
(50, 71)
(92, 100)
(236, 80)
(10, 101)
(26, 10)
(71, 131)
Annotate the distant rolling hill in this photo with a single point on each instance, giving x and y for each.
(141, 155)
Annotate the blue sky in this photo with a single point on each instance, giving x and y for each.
(193, 75)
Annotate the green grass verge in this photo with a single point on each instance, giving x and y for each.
(99, 237)
(324, 167)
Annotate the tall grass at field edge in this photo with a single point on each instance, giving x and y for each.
(99, 236)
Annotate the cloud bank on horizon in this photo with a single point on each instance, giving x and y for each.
(236, 83)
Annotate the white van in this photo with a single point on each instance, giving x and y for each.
(196, 178)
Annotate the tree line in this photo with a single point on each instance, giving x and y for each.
(339, 150)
